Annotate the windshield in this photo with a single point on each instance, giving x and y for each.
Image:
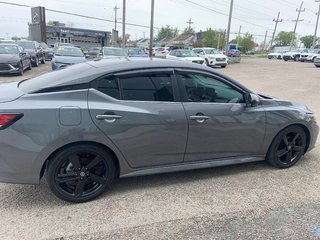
(69, 51)
(211, 51)
(114, 52)
(8, 49)
(185, 53)
(26, 45)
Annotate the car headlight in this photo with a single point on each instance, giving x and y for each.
(310, 117)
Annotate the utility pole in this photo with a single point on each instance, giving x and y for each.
(275, 29)
(124, 24)
(295, 26)
(219, 40)
(151, 29)
(115, 17)
(316, 29)
(265, 41)
(229, 26)
(190, 22)
(238, 40)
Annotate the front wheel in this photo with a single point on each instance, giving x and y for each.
(80, 173)
(296, 58)
(287, 148)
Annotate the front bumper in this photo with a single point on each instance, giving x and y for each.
(218, 62)
(9, 68)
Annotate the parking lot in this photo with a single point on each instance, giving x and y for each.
(249, 201)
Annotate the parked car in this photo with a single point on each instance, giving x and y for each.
(93, 52)
(90, 123)
(317, 61)
(276, 54)
(137, 52)
(13, 59)
(212, 57)
(161, 52)
(48, 51)
(66, 56)
(108, 52)
(7, 41)
(59, 44)
(185, 55)
(309, 55)
(34, 49)
(293, 55)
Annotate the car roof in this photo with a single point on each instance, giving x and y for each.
(83, 73)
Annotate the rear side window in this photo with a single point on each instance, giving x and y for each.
(109, 85)
(147, 87)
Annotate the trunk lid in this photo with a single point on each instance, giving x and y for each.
(10, 92)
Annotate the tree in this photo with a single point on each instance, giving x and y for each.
(188, 30)
(246, 42)
(213, 38)
(307, 41)
(284, 38)
(167, 32)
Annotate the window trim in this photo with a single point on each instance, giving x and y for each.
(183, 93)
(137, 72)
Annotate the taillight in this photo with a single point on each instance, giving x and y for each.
(7, 119)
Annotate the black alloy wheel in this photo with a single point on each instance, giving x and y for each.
(20, 73)
(43, 59)
(36, 62)
(30, 65)
(288, 147)
(80, 173)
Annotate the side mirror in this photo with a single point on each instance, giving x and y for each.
(252, 100)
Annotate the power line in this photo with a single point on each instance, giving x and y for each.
(224, 14)
(77, 15)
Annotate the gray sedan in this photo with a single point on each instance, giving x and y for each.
(90, 123)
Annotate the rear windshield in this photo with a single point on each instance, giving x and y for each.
(75, 74)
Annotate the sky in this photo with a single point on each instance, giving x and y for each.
(254, 16)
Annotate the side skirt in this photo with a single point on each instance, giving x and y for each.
(192, 165)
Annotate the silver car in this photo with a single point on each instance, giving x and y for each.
(90, 123)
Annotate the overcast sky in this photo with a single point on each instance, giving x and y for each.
(255, 16)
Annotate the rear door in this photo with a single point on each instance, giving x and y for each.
(138, 111)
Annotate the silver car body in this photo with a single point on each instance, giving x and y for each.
(63, 108)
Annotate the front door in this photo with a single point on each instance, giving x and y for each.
(220, 123)
(141, 117)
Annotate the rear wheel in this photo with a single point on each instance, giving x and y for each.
(36, 62)
(43, 59)
(30, 65)
(287, 147)
(20, 73)
(81, 172)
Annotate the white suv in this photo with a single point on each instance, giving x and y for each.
(212, 57)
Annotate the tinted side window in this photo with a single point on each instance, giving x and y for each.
(147, 87)
(109, 86)
(202, 88)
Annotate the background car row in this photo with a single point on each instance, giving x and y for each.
(298, 54)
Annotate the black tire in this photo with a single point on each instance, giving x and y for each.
(43, 59)
(287, 147)
(285, 59)
(36, 63)
(207, 62)
(313, 59)
(80, 173)
(296, 58)
(21, 69)
(30, 66)
(223, 66)
(279, 57)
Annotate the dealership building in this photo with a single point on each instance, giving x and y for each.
(84, 38)
(58, 32)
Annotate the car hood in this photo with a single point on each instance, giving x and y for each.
(191, 58)
(290, 53)
(68, 59)
(10, 92)
(9, 58)
(287, 103)
(30, 51)
(217, 55)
